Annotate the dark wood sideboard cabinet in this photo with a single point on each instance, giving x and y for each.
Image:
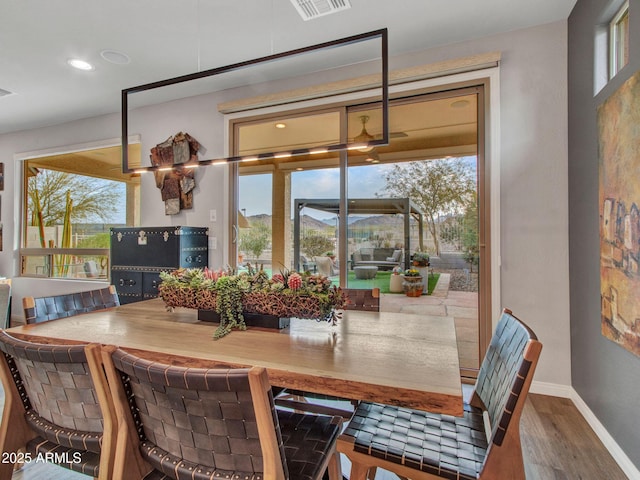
(138, 255)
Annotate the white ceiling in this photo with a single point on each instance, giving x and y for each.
(167, 38)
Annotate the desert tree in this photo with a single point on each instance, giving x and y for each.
(93, 198)
(437, 187)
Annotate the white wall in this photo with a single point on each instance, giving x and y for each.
(533, 185)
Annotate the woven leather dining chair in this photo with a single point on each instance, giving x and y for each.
(42, 309)
(57, 407)
(184, 423)
(423, 445)
(359, 299)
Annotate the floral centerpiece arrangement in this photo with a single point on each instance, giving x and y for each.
(230, 294)
(412, 272)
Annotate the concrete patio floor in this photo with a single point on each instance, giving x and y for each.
(462, 306)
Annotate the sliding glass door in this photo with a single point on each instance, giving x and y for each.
(365, 217)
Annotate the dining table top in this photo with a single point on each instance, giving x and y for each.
(399, 359)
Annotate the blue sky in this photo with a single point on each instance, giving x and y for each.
(364, 182)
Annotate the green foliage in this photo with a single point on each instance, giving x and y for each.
(421, 259)
(92, 197)
(450, 231)
(470, 236)
(437, 187)
(232, 290)
(315, 244)
(229, 291)
(100, 240)
(255, 239)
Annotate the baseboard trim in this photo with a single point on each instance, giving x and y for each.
(564, 391)
(552, 389)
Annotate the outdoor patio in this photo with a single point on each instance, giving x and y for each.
(462, 306)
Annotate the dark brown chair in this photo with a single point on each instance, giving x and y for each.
(57, 407)
(42, 309)
(423, 445)
(358, 299)
(185, 423)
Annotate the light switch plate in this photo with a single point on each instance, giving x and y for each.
(212, 215)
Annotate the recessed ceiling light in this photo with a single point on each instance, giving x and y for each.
(281, 125)
(113, 56)
(80, 64)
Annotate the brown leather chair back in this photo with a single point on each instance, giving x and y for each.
(58, 404)
(42, 309)
(357, 299)
(217, 422)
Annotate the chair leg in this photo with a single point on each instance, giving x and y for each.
(19, 465)
(359, 472)
(335, 467)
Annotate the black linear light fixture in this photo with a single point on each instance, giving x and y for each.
(381, 34)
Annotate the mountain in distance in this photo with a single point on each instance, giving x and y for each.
(350, 219)
(308, 222)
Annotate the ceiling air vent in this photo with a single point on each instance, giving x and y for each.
(309, 9)
(4, 93)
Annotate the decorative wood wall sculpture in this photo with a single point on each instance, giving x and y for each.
(177, 184)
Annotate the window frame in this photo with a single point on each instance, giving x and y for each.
(619, 40)
(48, 253)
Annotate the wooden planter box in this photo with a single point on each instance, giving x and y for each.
(261, 309)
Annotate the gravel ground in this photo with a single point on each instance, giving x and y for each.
(461, 280)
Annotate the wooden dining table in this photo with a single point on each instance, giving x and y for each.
(394, 358)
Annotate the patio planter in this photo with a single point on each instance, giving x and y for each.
(412, 286)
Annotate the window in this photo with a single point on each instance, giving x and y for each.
(619, 40)
(348, 216)
(70, 202)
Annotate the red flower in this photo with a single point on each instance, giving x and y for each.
(278, 278)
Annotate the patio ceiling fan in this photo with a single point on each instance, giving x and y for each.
(366, 137)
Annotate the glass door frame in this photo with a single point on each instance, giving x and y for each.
(488, 187)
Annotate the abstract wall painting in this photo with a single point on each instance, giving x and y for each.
(619, 197)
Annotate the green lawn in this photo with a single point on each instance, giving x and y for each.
(382, 282)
